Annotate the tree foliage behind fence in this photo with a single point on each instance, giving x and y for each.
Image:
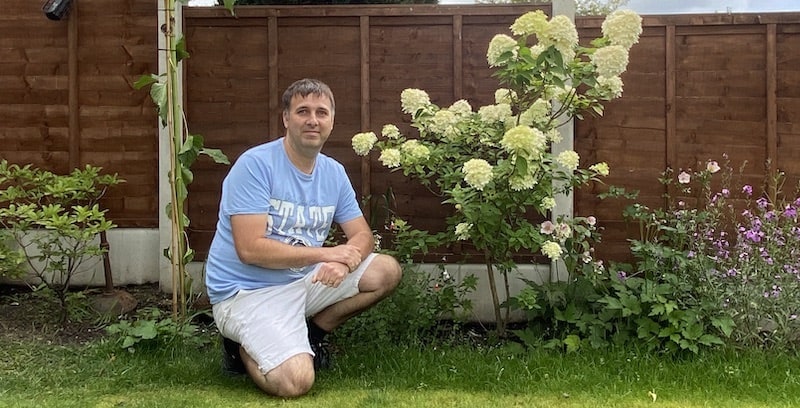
(697, 86)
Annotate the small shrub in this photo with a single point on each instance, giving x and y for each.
(422, 301)
(54, 220)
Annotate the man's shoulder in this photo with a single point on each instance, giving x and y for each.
(262, 151)
(330, 162)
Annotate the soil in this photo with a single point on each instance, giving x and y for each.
(30, 315)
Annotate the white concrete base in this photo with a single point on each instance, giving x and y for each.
(137, 259)
(482, 307)
(133, 254)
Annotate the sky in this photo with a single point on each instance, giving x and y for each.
(669, 6)
(711, 6)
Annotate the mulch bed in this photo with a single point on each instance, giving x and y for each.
(29, 315)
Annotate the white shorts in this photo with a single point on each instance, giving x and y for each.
(270, 323)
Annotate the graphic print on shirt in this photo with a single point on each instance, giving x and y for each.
(297, 224)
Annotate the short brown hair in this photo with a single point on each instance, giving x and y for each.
(305, 87)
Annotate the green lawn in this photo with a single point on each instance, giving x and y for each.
(41, 375)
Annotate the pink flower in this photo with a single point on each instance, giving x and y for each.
(548, 227)
(591, 220)
(712, 166)
(684, 178)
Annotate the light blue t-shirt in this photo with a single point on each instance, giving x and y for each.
(301, 208)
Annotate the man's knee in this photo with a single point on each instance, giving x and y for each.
(391, 271)
(293, 378)
(291, 386)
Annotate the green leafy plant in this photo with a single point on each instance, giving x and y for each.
(734, 251)
(12, 259)
(714, 266)
(415, 311)
(185, 148)
(425, 308)
(53, 221)
(151, 329)
(495, 167)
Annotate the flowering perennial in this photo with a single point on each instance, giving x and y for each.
(494, 163)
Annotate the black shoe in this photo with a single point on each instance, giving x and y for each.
(232, 363)
(322, 356)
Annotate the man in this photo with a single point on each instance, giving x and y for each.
(276, 291)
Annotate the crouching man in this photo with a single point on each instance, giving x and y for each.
(276, 291)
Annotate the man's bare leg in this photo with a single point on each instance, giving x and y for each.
(379, 280)
(293, 378)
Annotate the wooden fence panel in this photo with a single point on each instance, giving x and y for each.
(697, 86)
(368, 55)
(67, 98)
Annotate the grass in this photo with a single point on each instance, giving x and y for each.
(41, 375)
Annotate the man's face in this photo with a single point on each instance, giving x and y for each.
(308, 122)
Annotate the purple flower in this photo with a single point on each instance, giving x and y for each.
(747, 190)
(790, 212)
(762, 203)
(752, 235)
(622, 275)
(726, 192)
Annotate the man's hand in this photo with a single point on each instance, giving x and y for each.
(347, 255)
(331, 274)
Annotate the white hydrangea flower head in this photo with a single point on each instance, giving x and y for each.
(562, 34)
(610, 87)
(462, 231)
(568, 159)
(477, 173)
(413, 151)
(495, 113)
(610, 61)
(537, 113)
(412, 100)
(525, 141)
(390, 158)
(554, 136)
(504, 95)
(552, 250)
(623, 28)
(390, 132)
(461, 108)
(443, 121)
(523, 182)
(500, 45)
(600, 168)
(533, 22)
(548, 203)
(363, 142)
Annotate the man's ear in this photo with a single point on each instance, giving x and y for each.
(285, 117)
